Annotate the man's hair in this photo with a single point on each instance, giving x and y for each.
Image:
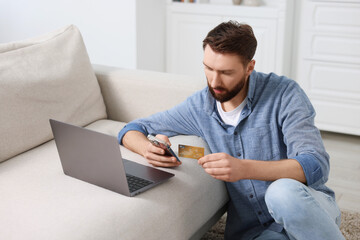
(234, 38)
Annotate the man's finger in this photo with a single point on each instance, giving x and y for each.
(211, 157)
(216, 164)
(164, 138)
(163, 164)
(154, 149)
(217, 171)
(160, 158)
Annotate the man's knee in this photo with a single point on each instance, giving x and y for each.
(283, 190)
(284, 198)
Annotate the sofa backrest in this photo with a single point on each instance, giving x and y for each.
(130, 94)
(42, 78)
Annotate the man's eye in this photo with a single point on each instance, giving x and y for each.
(227, 73)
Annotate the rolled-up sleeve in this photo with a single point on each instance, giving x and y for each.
(311, 167)
(131, 127)
(180, 120)
(302, 138)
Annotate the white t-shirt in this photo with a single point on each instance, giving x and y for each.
(232, 117)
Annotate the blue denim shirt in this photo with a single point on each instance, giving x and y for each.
(277, 123)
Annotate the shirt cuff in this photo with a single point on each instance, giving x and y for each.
(311, 167)
(131, 127)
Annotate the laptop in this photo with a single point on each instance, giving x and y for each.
(95, 158)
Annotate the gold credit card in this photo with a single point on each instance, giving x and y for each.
(190, 151)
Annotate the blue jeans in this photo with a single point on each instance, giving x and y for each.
(304, 212)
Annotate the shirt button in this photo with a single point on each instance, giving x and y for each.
(251, 196)
(239, 154)
(259, 212)
(235, 133)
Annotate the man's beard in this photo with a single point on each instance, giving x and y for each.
(228, 94)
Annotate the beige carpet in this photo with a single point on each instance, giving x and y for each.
(350, 227)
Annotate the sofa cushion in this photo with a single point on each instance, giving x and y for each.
(42, 203)
(41, 78)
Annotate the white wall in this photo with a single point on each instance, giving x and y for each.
(295, 40)
(150, 24)
(108, 26)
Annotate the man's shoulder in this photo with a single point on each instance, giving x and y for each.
(273, 78)
(273, 86)
(275, 82)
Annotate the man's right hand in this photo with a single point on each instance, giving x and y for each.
(156, 155)
(137, 142)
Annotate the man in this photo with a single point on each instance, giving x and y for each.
(260, 130)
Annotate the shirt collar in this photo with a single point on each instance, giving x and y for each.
(210, 102)
(252, 85)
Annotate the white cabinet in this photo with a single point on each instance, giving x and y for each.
(184, 42)
(188, 25)
(328, 66)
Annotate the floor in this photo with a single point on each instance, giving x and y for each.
(344, 179)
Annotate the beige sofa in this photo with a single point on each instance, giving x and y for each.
(51, 77)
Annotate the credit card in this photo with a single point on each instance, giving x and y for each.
(190, 151)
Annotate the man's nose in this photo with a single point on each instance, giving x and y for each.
(215, 80)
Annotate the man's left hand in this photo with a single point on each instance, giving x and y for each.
(222, 166)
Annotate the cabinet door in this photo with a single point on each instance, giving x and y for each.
(329, 63)
(185, 33)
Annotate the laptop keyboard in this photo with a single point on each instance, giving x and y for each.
(135, 183)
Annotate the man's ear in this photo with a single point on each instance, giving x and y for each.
(250, 67)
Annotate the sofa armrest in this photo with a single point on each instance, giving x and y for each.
(132, 94)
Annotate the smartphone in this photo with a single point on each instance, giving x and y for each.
(160, 143)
